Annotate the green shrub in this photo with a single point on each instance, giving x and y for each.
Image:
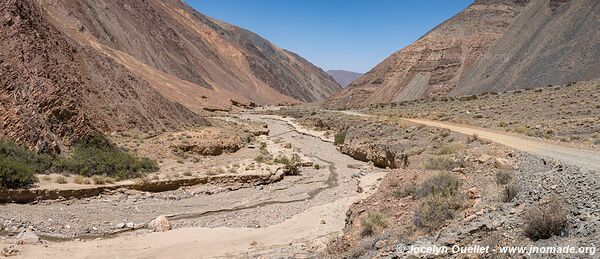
(14, 174)
(339, 138)
(291, 165)
(37, 162)
(97, 156)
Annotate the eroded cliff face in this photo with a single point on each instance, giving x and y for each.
(437, 62)
(54, 91)
(190, 58)
(492, 46)
(551, 42)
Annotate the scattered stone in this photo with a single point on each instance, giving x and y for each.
(323, 221)
(472, 193)
(354, 166)
(129, 225)
(9, 251)
(160, 224)
(458, 170)
(483, 159)
(28, 237)
(503, 163)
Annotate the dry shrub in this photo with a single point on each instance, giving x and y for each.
(372, 222)
(510, 191)
(503, 177)
(546, 220)
(436, 209)
(449, 148)
(440, 163)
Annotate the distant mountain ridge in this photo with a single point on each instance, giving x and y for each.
(344, 77)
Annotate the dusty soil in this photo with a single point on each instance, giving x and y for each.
(485, 219)
(302, 210)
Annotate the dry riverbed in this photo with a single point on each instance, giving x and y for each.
(293, 216)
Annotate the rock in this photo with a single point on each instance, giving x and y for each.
(380, 244)
(28, 237)
(9, 251)
(160, 224)
(287, 145)
(120, 225)
(129, 225)
(323, 221)
(354, 166)
(483, 159)
(472, 193)
(503, 163)
(459, 170)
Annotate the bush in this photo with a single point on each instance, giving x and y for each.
(503, 177)
(436, 209)
(445, 183)
(372, 222)
(440, 163)
(14, 174)
(510, 192)
(449, 148)
(339, 138)
(97, 156)
(37, 162)
(546, 220)
(291, 165)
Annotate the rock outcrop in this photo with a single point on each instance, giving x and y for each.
(54, 91)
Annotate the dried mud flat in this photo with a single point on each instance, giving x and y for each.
(294, 216)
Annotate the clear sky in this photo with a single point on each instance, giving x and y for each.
(352, 35)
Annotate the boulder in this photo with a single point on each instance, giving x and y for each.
(28, 237)
(160, 224)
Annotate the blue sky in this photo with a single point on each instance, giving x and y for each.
(353, 35)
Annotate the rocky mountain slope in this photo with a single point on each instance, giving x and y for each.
(343, 77)
(69, 68)
(492, 45)
(188, 57)
(53, 91)
(435, 63)
(550, 42)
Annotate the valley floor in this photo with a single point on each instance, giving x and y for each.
(358, 194)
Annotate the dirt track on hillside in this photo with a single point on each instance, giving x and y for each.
(581, 158)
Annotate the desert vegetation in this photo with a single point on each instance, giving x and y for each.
(95, 156)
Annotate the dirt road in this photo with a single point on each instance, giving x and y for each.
(296, 215)
(581, 158)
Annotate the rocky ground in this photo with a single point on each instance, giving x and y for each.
(488, 174)
(325, 179)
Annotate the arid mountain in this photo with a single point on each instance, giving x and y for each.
(492, 45)
(53, 91)
(188, 57)
(69, 68)
(343, 77)
(436, 63)
(550, 42)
